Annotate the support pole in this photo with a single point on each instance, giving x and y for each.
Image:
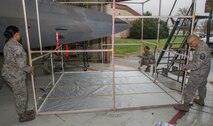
(113, 51)
(29, 53)
(52, 68)
(158, 39)
(187, 61)
(142, 23)
(39, 27)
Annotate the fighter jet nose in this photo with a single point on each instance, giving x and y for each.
(73, 24)
(60, 29)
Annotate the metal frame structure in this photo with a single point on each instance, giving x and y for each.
(49, 52)
(176, 61)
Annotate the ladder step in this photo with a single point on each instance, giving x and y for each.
(180, 35)
(163, 63)
(178, 72)
(175, 43)
(177, 49)
(178, 61)
(168, 57)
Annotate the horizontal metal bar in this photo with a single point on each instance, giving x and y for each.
(150, 43)
(93, 2)
(123, 44)
(40, 57)
(163, 16)
(104, 109)
(163, 63)
(134, 44)
(74, 51)
(176, 43)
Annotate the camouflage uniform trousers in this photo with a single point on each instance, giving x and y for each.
(19, 90)
(146, 62)
(1, 82)
(193, 85)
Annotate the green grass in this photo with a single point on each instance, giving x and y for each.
(122, 50)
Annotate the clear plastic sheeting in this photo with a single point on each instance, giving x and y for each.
(94, 90)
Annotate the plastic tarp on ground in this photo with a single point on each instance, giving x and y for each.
(93, 90)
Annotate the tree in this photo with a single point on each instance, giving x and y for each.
(186, 23)
(150, 28)
(203, 26)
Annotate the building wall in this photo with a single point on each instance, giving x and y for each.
(122, 10)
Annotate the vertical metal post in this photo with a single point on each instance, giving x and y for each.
(52, 68)
(102, 44)
(39, 27)
(158, 39)
(187, 61)
(29, 53)
(158, 33)
(113, 51)
(62, 61)
(102, 55)
(193, 16)
(142, 23)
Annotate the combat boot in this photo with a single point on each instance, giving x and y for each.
(25, 117)
(30, 112)
(147, 69)
(199, 102)
(182, 107)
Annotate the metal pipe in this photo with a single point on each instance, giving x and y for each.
(172, 9)
(132, 44)
(102, 43)
(62, 62)
(37, 58)
(105, 109)
(163, 16)
(29, 52)
(187, 61)
(158, 39)
(74, 51)
(113, 56)
(142, 23)
(39, 27)
(87, 2)
(52, 68)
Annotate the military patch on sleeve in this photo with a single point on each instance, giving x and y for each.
(19, 55)
(202, 56)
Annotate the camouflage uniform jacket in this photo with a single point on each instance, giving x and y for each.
(15, 66)
(201, 62)
(148, 55)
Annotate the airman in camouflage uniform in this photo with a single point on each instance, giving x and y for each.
(14, 72)
(200, 67)
(146, 59)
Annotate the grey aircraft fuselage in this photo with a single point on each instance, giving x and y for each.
(74, 24)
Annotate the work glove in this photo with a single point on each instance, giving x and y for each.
(184, 68)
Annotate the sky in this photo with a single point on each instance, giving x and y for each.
(153, 6)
